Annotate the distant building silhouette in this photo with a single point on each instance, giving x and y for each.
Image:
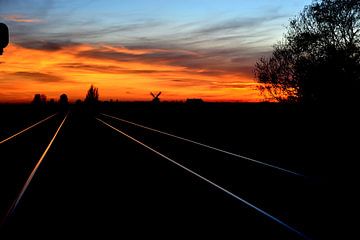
(194, 101)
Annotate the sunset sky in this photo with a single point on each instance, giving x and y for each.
(128, 48)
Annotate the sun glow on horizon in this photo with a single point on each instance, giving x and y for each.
(119, 73)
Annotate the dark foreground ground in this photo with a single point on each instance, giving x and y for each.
(96, 182)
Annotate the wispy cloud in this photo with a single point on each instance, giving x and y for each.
(240, 24)
(39, 77)
(209, 62)
(46, 45)
(21, 19)
(110, 69)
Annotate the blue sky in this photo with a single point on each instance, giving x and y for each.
(131, 20)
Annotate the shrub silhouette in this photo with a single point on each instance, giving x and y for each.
(63, 102)
(92, 96)
(39, 100)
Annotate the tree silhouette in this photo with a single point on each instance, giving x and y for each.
(63, 102)
(36, 100)
(39, 99)
(92, 95)
(318, 60)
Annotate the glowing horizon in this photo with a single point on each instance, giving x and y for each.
(130, 48)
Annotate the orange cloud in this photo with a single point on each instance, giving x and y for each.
(21, 19)
(118, 72)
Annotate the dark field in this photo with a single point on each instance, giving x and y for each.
(96, 182)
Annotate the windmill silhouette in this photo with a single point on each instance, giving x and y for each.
(156, 98)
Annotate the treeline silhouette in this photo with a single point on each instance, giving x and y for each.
(40, 101)
(92, 98)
